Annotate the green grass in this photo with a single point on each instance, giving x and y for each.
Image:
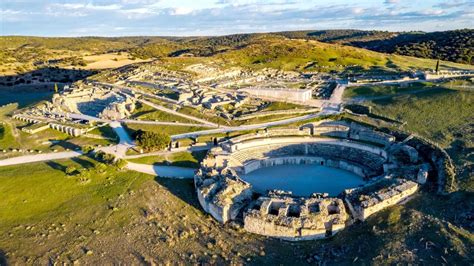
(145, 112)
(276, 106)
(6, 137)
(300, 55)
(170, 130)
(183, 159)
(206, 115)
(435, 114)
(104, 131)
(384, 90)
(38, 191)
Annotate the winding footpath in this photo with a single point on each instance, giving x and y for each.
(331, 106)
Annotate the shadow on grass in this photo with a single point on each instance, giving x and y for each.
(108, 132)
(187, 163)
(82, 162)
(3, 258)
(429, 93)
(64, 144)
(181, 188)
(56, 166)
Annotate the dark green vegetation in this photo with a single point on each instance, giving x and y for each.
(386, 90)
(152, 141)
(455, 46)
(253, 50)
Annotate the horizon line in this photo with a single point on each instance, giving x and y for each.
(222, 35)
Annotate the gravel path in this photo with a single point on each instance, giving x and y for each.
(39, 157)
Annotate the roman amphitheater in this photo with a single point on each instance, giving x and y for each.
(294, 206)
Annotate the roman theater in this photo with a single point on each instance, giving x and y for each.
(312, 181)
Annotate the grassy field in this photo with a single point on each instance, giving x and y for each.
(184, 159)
(385, 90)
(437, 114)
(276, 106)
(443, 115)
(204, 114)
(145, 112)
(103, 215)
(170, 130)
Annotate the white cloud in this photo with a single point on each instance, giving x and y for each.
(181, 11)
(88, 6)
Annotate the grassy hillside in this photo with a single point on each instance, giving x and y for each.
(306, 55)
(280, 50)
(454, 46)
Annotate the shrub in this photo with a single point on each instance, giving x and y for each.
(70, 170)
(104, 157)
(87, 149)
(120, 163)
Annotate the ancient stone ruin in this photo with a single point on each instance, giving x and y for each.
(393, 171)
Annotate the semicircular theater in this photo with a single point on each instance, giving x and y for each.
(392, 171)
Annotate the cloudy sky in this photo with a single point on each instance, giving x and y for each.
(218, 17)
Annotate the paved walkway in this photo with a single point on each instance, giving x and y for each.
(39, 157)
(125, 142)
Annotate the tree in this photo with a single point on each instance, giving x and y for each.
(150, 141)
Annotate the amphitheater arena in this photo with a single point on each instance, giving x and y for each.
(390, 169)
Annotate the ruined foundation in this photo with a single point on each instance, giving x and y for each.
(393, 172)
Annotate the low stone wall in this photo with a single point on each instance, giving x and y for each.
(365, 201)
(27, 119)
(68, 129)
(295, 218)
(222, 195)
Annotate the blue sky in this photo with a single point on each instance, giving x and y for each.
(218, 17)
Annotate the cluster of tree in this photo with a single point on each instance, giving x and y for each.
(151, 141)
(455, 46)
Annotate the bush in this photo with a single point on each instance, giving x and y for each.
(87, 149)
(70, 170)
(104, 157)
(120, 163)
(150, 141)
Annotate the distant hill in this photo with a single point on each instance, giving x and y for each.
(456, 46)
(324, 51)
